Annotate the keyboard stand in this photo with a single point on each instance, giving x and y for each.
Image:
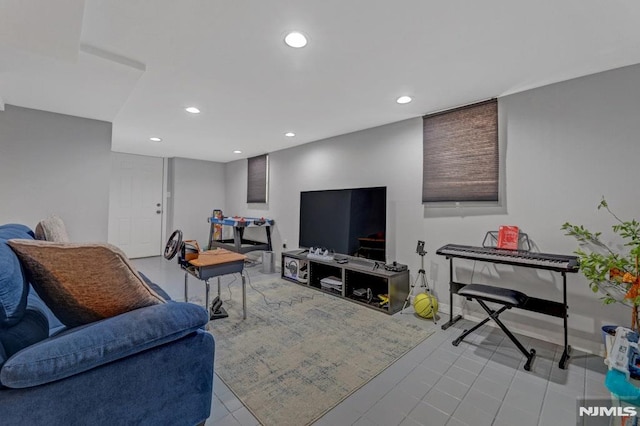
(542, 306)
(452, 319)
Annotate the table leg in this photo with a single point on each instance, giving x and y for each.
(206, 297)
(268, 229)
(212, 230)
(186, 287)
(237, 239)
(218, 286)
(244, 297)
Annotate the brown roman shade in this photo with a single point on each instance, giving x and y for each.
(460, 154)
(257, 179)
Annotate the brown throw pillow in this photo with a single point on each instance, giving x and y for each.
(83, 283)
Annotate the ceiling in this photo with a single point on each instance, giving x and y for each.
(139, 63)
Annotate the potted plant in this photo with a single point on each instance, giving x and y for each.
(614, 273)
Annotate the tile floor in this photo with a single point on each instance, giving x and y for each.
(479, 383)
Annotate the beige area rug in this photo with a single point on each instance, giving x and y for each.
(291, 362)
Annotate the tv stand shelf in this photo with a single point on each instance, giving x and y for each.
(356, 274)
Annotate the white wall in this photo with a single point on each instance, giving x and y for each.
(55, 164)
(375, 157)
(569, 144)
(197, 188)
(564, 147)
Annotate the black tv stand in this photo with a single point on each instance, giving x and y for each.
(356, 274)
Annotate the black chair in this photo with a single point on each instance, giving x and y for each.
(503, 296)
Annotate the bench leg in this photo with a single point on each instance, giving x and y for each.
(494, 314)
(477, 326)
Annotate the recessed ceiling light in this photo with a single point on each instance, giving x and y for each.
(237, 151)
(155, 139)
(192, 110)
(404, 99)
(295, 39)
(289, 134)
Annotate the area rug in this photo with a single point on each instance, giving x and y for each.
(300, 351)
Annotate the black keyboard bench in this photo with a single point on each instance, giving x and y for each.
(508, 299)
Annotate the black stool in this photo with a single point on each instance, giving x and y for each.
(503, 296)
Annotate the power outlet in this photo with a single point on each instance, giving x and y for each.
(284, 244)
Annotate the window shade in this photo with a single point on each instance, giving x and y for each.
(460, 154)
(257, 173)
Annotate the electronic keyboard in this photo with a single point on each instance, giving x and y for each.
(555, 262)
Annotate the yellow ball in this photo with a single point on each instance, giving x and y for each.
(425, 305)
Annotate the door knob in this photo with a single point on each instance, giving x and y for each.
(158, 205)
(158, 211)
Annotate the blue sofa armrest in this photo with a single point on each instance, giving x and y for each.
(170, 384)
(84, 348)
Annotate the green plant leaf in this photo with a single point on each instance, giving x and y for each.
(596, 265)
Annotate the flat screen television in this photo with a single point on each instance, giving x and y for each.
(346, 221)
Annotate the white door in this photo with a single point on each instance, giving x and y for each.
(135, 204)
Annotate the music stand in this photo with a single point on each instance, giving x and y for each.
(422, 277)
(491, 240)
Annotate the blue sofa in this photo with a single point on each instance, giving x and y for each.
(153, 365)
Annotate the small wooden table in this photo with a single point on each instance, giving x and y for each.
(215, 263)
